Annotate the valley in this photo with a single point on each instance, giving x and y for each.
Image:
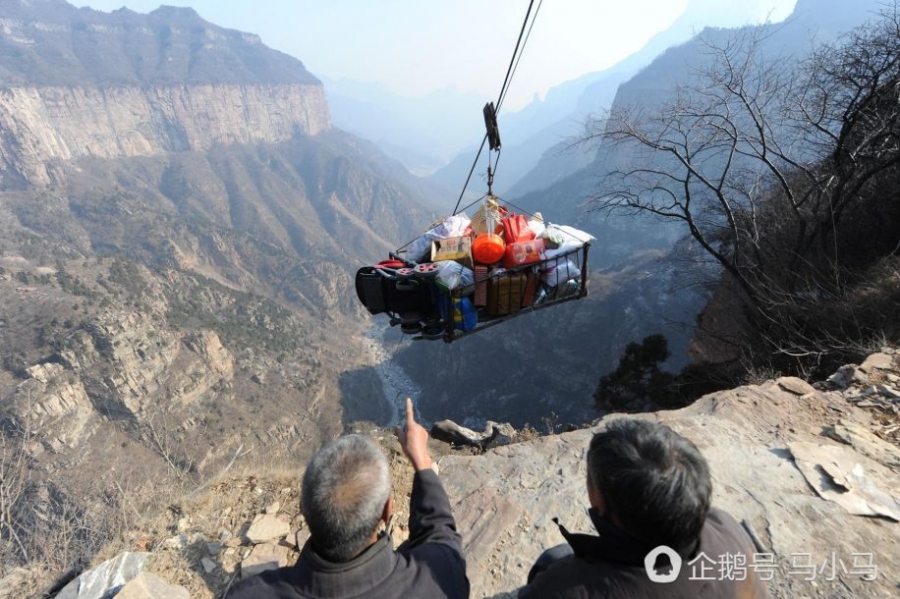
(181, 219)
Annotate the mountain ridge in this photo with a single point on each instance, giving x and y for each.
(65, 45)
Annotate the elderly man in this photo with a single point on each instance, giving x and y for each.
(346, 501)
(649, 489)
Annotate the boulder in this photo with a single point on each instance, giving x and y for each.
(147, 585)
(107, 579)
(877, 361)
(266, 528)
(794, 385)
(209, 566)
(494, 434)
(267, 556)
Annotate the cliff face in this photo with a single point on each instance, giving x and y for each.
(177, 225)
(78, 82)
(43, 126)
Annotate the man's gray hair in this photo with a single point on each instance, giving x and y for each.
(344, 491)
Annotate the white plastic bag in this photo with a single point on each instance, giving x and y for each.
(452, 274)
(566, 239)
(536, 224)
(562, 273)
(453, 226)
(419, 250)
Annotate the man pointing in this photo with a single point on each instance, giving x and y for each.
(346, 502)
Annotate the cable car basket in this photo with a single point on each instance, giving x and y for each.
(413, 297)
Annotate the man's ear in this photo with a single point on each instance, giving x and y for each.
(388, 510)
(597, 501)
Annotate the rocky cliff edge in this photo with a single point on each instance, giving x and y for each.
(76, 82)
(813, 473)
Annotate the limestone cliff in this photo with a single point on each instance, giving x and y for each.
(80, 83)
(44, 126)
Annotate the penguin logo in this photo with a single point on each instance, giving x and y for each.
(659, 574)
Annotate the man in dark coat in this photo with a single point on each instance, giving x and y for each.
(649, 490)
(346, 500)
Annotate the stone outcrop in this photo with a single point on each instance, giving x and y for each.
(123, 363)
(771, 451)
(85, 83)
(106, 579)
(802, 507)
(150, 586)
(46, 126)
(266, 528)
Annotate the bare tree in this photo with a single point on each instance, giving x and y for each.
(15, 487)
(764, 161)
(159, 433)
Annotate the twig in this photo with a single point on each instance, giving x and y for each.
(237, 455)
(119, 487)
(228, 586)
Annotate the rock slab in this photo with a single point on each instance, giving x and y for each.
(505, 499)
(107, 579)
(267, 528)
(264, 557)
(150, 586)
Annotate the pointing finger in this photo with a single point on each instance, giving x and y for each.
(410, 413)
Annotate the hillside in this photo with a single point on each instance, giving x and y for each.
(813, 471)
(179, 226)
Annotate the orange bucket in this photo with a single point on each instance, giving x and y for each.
(488, 248)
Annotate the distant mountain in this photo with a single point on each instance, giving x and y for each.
(535, 137)
(422, 133)
(52, 43)
(812, 23)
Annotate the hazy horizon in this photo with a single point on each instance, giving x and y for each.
(416, 48)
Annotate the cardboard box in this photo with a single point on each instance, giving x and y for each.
(505, 293)
(481, 286)
(453, 248)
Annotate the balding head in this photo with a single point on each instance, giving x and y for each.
(345, 489)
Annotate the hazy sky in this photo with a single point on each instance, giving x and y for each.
(418, 46)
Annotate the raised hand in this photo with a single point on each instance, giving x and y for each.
(414, 440)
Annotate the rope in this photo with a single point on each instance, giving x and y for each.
(513, 61)
(471, 171)
(514, 68)
(510, 71)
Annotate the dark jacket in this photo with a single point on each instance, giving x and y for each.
(429, 565)
(611, 566)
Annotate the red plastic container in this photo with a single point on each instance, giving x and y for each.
(525, 252)
(488, 248)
